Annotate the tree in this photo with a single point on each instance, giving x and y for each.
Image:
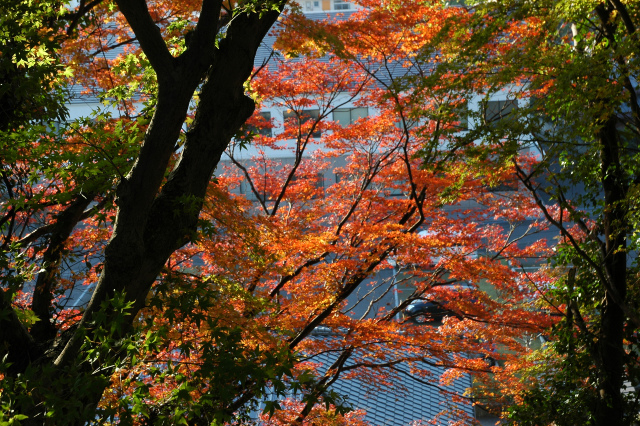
(204, 301)
(573, 72)
(155, 213)
(319, 247)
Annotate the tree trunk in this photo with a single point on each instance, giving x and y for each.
(610, 350)
(153, 220)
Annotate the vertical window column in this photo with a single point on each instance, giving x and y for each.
(347, 116)
(341, 5)
(301, 117)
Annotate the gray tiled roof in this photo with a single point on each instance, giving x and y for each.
(407, 400)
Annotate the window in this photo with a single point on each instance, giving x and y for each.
(261, 125)
(318, 180)
(341, 5)
(346, 116)
(406, 121)
(54, 126)
(320, 185)
(310, 186)
(462, 115)
(509, 185)
(498, 110)
(398, 189)
(303, 117)
(311, 5)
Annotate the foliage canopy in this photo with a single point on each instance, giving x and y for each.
(207, 295)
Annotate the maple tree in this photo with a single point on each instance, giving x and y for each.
(400, 59)
(205, 301)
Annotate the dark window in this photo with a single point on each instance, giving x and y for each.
(408, 122)
(302, 117)
(506, 186)
(461, 114)
(54, 126)
(258, 124)
(498, 110)
(341, 5)
(346, 116)
(318, 182)
(261, 124)
(398, 189)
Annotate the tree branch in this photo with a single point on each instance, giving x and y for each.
(151, 226)
(43, 330)
(46, 229)
(201, 47)
(83, 9)
(148, 35)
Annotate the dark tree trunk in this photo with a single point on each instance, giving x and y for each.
(153, 220)
(610, 350)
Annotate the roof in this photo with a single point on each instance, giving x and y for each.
(409, 399)
(422, 400)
